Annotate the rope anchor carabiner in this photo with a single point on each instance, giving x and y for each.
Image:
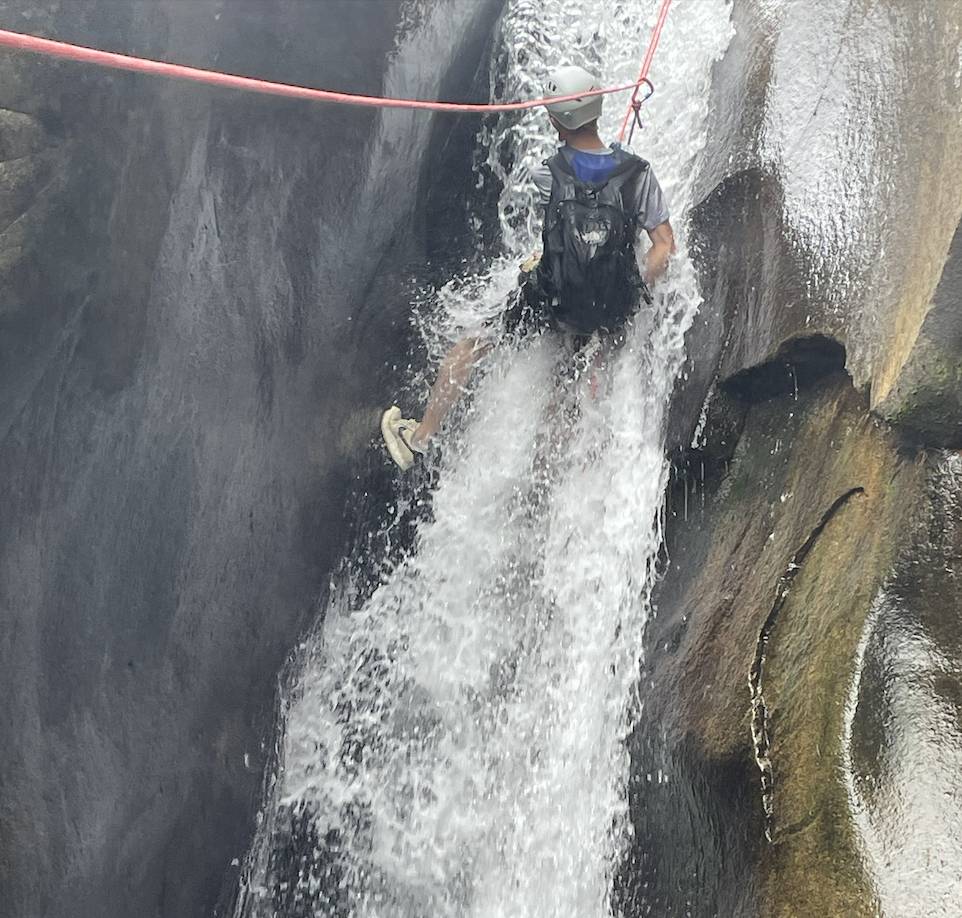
(636, 104)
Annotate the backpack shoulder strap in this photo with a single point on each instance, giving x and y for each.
(628, 169)
(560, 169)
(631, 186)
(564, 185)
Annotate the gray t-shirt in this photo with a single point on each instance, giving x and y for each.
(655, 209)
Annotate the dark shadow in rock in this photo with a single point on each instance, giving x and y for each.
(798, 365)
(695, 836)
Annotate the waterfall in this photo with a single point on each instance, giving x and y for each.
(454, 742)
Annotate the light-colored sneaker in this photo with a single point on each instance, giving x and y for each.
(397, 433)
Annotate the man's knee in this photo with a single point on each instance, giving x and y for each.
(469, 350)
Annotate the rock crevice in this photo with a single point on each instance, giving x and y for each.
(760, 720)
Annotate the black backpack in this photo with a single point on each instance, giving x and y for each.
(588, 273)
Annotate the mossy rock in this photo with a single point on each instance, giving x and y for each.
(820, 472)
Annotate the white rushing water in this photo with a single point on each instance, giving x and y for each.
(458, 737)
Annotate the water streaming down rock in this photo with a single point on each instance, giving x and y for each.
(902, 742)
(454, 742)
(190, 279)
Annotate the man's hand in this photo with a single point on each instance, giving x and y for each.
(662, 248)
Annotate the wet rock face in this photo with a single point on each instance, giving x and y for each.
(904, 756)
(799, 753)
(925, 398)
(202, 297)
(774, 565)
(824, 207)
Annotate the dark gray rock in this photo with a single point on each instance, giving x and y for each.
(202, 301)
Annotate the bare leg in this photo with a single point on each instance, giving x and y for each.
(452, 378)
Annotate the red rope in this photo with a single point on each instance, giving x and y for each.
(85, 55)
(645, 66)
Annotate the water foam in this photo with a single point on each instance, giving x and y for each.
(457, 740)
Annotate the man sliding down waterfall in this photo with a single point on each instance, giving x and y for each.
(588, 280)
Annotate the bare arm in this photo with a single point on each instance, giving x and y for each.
(662, 248)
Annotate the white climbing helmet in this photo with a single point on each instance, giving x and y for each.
(564, 81)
